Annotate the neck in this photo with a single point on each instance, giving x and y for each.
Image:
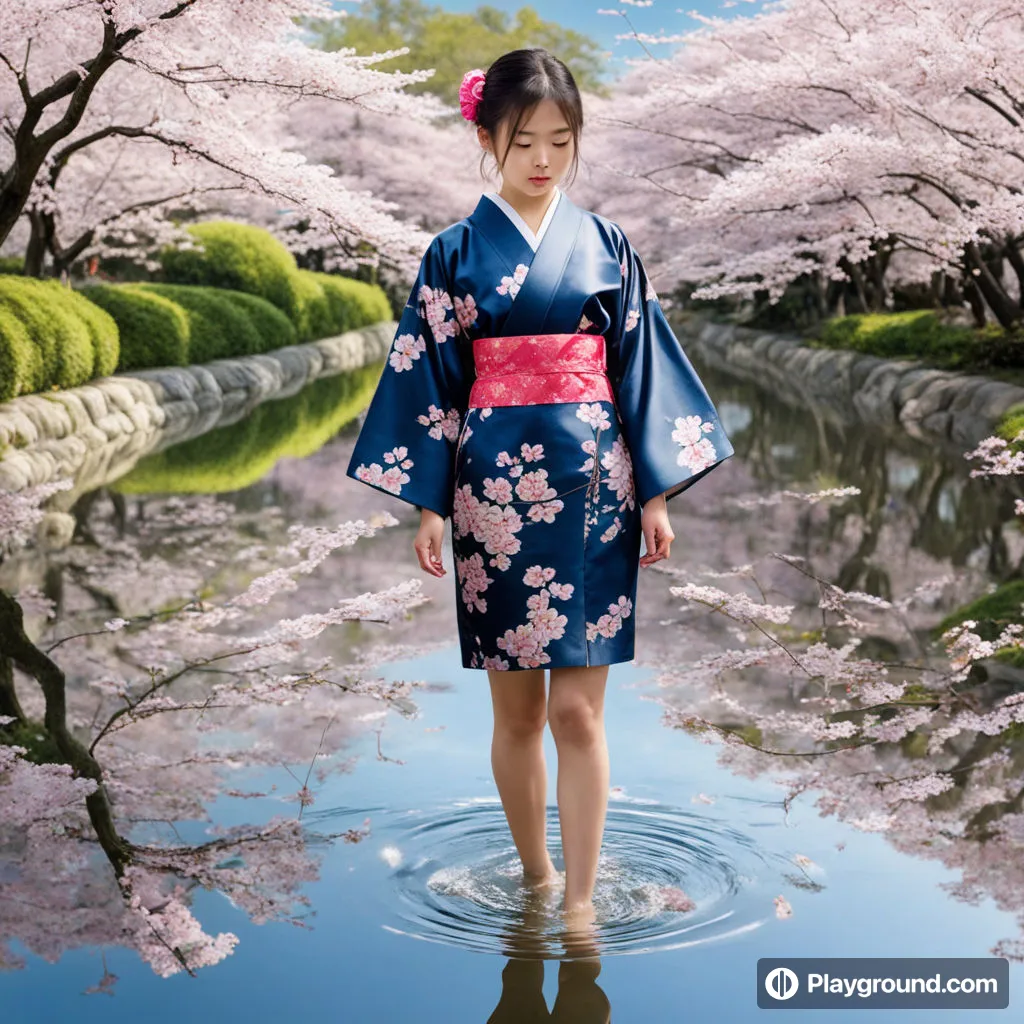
(530, 207)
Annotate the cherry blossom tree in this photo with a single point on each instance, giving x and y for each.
(123, 115)
(857, 146)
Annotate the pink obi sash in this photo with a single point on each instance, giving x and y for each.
(539, 369)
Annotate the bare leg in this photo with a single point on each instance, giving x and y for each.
(576, 714)
(517, 760)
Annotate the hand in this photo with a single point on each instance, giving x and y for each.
(658, 535)
(428, 542)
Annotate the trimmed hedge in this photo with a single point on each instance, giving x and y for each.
(250, 260)
(233, 457)
(50, 336)
(243, 295)
(175, 325)
(223, 323)
(154, 330)
(239, 257)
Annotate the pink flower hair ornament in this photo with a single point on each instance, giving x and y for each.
(471, 92)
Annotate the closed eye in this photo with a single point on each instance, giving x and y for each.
(557, 145)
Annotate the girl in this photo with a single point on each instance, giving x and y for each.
(536, 395)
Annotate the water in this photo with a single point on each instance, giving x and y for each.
(399, 897)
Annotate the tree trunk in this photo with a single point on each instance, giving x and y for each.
(16, 647)
(1005, 310)
(8, 694)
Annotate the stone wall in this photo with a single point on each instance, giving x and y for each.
(97, 432)
(954, 409)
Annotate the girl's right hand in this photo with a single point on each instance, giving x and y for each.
(428, 542)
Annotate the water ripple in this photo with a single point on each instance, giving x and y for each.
(651, 851)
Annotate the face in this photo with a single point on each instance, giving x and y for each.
(543, 147)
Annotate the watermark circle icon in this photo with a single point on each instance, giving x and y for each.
(782, 983)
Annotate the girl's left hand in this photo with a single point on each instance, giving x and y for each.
(658, 535)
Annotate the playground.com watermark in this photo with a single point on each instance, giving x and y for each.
(876, 983)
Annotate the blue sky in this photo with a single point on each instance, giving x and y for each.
(663, 17)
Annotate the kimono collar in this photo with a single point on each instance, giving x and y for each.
(534, 238)
(506, 239)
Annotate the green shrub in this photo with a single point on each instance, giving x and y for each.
(915, 334)
(20, 360)
(1011, 423)
(314, 318)
(12, 265)
(103, 334)
(218, 325)
(154, 330)
(52, 319)
(275, 329)
(250, 260)
(240, 257)
(353, 303)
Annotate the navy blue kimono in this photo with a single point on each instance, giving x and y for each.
(585, 406)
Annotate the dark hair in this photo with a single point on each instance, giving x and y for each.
(515, 83)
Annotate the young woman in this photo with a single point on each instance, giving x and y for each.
(536, 395)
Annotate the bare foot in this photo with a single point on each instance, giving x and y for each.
(541, 881)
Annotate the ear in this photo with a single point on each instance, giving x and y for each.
(484, 138)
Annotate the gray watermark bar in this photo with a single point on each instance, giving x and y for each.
(883, 983)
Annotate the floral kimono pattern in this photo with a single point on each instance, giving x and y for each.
(541, 449)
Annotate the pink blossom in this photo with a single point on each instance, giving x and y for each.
(465, 311)
(545, 512)
(406, 349)
(499, 490)
(511, 285)
(474, 580)
(594, 415)
(534, 486)
(437, 303)
(537, 576)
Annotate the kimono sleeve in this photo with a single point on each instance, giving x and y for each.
(671, 426)
(406, 445)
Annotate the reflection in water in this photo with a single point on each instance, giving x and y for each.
(233, 457)
(917, 511)
(898, 739)
(580, 999)
(667, 879)
(923, 492)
